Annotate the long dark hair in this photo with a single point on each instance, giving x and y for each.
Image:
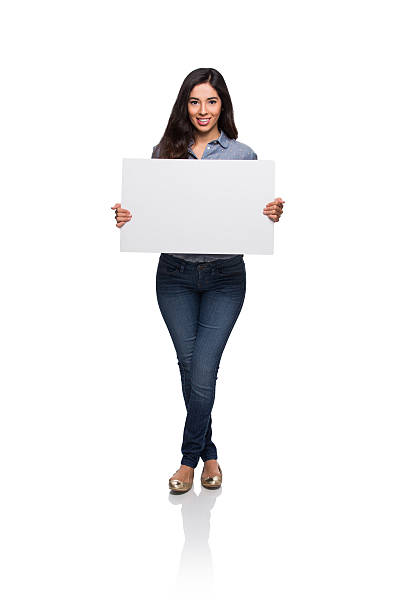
(180, 131)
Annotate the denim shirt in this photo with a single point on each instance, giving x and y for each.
(221, 148)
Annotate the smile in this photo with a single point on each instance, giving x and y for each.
(203, 121)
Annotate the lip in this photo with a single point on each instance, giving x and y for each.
(205, 121)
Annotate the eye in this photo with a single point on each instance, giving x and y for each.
(195, 101)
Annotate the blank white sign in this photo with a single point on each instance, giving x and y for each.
(214, 206)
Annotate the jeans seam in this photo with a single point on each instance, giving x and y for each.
(223, 346)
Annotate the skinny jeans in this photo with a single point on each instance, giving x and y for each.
(200, 303)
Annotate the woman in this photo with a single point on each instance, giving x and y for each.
(200, 295)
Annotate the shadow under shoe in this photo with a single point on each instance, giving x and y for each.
(212, 482)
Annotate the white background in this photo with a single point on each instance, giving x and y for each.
(310, 412)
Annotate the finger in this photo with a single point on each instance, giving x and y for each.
(280, 204)
(120, 224)
(124, 215)
(274, 207)
(277, 202)
(116, 206)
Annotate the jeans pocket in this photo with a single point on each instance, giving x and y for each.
(237, 269)
(167, 268)
(171, 268)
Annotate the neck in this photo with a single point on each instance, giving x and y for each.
(202, 139)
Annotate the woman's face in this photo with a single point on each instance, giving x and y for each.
(204, 103)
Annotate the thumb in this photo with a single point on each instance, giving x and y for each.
(116, 206)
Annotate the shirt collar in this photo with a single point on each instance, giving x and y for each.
(223, 140)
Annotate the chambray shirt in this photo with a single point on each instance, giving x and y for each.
(222, 148)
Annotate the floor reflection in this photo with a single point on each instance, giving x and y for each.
(196, 560)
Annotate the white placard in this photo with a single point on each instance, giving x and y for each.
(214, 206)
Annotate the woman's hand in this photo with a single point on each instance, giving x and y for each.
(274, 209)
(122, 215)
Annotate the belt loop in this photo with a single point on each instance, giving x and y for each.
(182, 266)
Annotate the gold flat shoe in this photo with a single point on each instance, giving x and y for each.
(180, 486)
(212, 482)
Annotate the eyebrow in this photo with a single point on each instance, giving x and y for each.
(212, 98)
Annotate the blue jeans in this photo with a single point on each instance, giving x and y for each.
(200, 303)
